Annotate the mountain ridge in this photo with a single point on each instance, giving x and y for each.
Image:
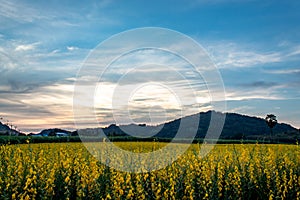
(6, 130)
(236, 126)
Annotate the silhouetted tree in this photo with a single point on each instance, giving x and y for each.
(271, 121)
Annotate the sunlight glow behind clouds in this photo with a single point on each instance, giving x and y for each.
(136, 87)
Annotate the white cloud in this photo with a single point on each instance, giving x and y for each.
(283, 71)
(228, 54)
(241, 94)
(26, 47)
(7, 62)
(241, 109)
(72, 48)
(22, 54)
(294, 51)
(244, 59)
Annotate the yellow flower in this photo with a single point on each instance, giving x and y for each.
(67, 179)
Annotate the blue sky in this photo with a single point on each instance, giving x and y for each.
(254, 44)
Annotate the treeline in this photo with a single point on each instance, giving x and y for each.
(30, 139)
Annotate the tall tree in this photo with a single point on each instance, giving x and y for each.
(271, 121)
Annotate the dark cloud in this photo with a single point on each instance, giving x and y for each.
(22, 109)
(144, 99)
(260, 84)
(29, 82)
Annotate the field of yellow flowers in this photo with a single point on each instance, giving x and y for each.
(69, 171)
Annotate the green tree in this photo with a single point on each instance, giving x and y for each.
(271, 121)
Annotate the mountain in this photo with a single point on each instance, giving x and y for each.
(236, 126)
(4, 127)
(5, 130)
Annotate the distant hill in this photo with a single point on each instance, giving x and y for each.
(4, 127)
(5, 130)
(236, 126)
(55, 132)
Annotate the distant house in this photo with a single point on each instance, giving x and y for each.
(61, 134)
(36, 135)
(45, 134)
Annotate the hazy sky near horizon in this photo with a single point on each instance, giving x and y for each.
(254, 44)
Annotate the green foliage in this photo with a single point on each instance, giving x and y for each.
(51, 139)
(30, 139)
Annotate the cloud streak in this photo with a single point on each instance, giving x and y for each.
(18, 11)
(232, 55)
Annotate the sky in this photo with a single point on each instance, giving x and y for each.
(255, 46)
